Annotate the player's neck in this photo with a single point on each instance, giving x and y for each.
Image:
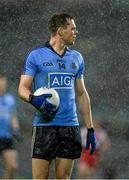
(57, 45)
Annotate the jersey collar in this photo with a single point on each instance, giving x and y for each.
(47, 44)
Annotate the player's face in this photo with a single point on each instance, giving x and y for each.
(69, 33)
(3, 84)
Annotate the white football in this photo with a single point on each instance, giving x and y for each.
(55, 99)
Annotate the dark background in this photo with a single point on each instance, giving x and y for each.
(104, 42)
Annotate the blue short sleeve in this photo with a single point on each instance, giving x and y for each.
(30, 66)
(81, 67)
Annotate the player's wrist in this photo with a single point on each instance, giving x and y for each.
(30, 98)
(91, 129)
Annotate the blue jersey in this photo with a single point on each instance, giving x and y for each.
(7, 109)
(49, 69)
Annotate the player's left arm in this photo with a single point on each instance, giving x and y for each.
(85, 108)
(16, 128)
(84, 102)
(15, 123)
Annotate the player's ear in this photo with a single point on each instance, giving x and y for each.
(60, 31)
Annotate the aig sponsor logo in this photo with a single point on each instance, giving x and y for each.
(61, 80)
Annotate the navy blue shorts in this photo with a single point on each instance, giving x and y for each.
(49, 142)
(6, 144)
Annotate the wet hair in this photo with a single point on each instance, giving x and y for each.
(58, 20)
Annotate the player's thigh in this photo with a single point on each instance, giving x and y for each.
(44, 143)
(63, 167)
(70, 146)
(10, 158)
(40, 168)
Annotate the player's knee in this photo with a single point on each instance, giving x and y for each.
(62, 174)
(40, 176)
(12, 167)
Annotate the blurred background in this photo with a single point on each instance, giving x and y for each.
(104, 42)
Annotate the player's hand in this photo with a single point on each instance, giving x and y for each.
(91, 140)
(49, 114)
(17, 135)
(40, 102)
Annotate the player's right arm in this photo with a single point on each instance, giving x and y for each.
(24, 87)
(39, 102)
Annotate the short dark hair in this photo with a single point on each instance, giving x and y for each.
(58, 20)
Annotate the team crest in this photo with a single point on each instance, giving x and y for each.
(73, 65)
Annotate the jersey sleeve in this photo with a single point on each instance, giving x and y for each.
(81, 67)
(30, 66)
